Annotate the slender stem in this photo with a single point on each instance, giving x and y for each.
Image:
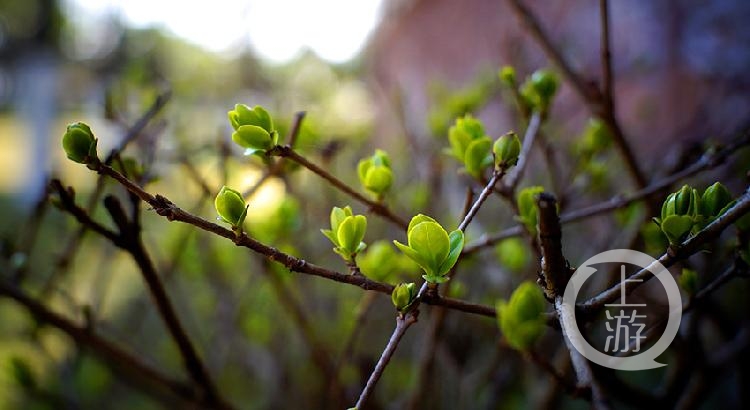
(585, 377)
(132, 242)
(555, 275)
(708, 161)
(119, 361)
(277, 167)
(537, 32)
(591, 95)
(164, 207)
(523, 160)
(375, 207)
(607, 89)
(402, 323)
(674, 254)
(497, 175)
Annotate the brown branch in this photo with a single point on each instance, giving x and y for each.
(556, 271)
(129, 240)
(133, 244)
(497, 175)
(164, 207)
(554, 278)
(277, 167)
(709, 160)
(509, 187)
(607, 89)
(402, 323)
(674, 254)
(543, 39)
(591, 95)
(119, 361)
(373, 206)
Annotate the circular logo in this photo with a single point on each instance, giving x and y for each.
(624, 328)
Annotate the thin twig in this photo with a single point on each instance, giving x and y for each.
(510, 184)
(590, 94)
(709, 160)
(277, 167)
(584, 375)
(133, 244)
(375, 207)
(537, 32)
(607, 89)
(119, 361)
(555, 276)
(402, 323)
(164, 207)
(497, 175)
(673, 255)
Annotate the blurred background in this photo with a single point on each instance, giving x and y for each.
(370, 74)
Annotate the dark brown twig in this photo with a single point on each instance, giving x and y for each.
(402, 323)
(555, 276)
(709, 160)
(119, 361)
(373, 206)
(675, 254)
(164, 207)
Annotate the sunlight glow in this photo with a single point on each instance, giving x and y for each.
(278, 30)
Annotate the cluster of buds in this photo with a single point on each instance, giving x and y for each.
(253, 129)
(473, 148)
(685, 211)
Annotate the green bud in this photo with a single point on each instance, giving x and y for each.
(79, 143)
(596, 138)
(254, 129)
(350, 234)
(689, 281)
(508, 76)
(513, 254)
(521, 319)
(231, 207)
(538, 90)
(347, 232)
(431, 247)
(478, 157)
(403, 296)
(527, 212)
(507, 148)
(677, 228)
(715, 200)
(460, 135)
(471, 126)
(244, 115)
(679, 214)
(686, 201)
(375, 173)
(544, 83)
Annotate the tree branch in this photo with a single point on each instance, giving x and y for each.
(402, 323)
(711, 159)
(164, 207)
(373, 206)
(673, 255)
(119, 361)
(555, 276)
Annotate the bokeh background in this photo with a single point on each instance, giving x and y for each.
(370, 74)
